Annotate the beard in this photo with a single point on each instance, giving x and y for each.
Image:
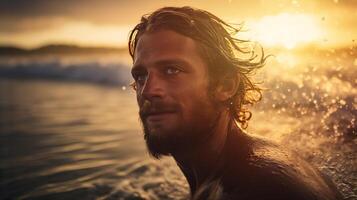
(182, 135)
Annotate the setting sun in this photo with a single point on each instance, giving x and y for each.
(287, 30)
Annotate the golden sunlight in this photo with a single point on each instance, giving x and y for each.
(73, 32)
(286, 30)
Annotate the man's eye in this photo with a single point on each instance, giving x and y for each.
(172, 70)
(141, 78)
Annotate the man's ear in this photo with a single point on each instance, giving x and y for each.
(227, 88)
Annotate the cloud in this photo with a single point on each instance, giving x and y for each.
(33, 24)
(104, 11)
(20, 17)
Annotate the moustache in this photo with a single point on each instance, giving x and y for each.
(155, 107)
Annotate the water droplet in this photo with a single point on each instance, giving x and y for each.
(342, 102)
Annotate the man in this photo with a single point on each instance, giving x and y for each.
(192, 90)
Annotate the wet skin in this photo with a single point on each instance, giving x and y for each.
(171, 84)
(255, 168)
(181, 119)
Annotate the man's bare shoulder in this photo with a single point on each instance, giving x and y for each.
(266, 168)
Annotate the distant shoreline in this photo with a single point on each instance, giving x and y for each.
(68, 49)
(58, 49)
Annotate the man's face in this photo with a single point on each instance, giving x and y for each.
(172, 92)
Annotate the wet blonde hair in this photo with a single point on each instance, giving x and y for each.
(222, 51)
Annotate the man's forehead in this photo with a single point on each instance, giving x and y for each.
(162, 41)
(165, 45)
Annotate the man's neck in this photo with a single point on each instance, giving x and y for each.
(201, 163)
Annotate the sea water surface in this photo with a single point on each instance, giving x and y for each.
(70, 129)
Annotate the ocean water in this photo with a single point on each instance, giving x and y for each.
(70, 129)
(64, 140)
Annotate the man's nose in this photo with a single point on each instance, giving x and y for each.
(153, 87)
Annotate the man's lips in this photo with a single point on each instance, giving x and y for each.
(156, 110)
(157, 116)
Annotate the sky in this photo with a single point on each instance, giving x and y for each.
(276, 23)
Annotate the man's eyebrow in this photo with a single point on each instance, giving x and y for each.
(163, 62)
(179, 62)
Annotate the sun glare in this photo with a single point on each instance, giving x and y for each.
(287, 30)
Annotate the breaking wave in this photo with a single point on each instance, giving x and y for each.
(87, 71)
